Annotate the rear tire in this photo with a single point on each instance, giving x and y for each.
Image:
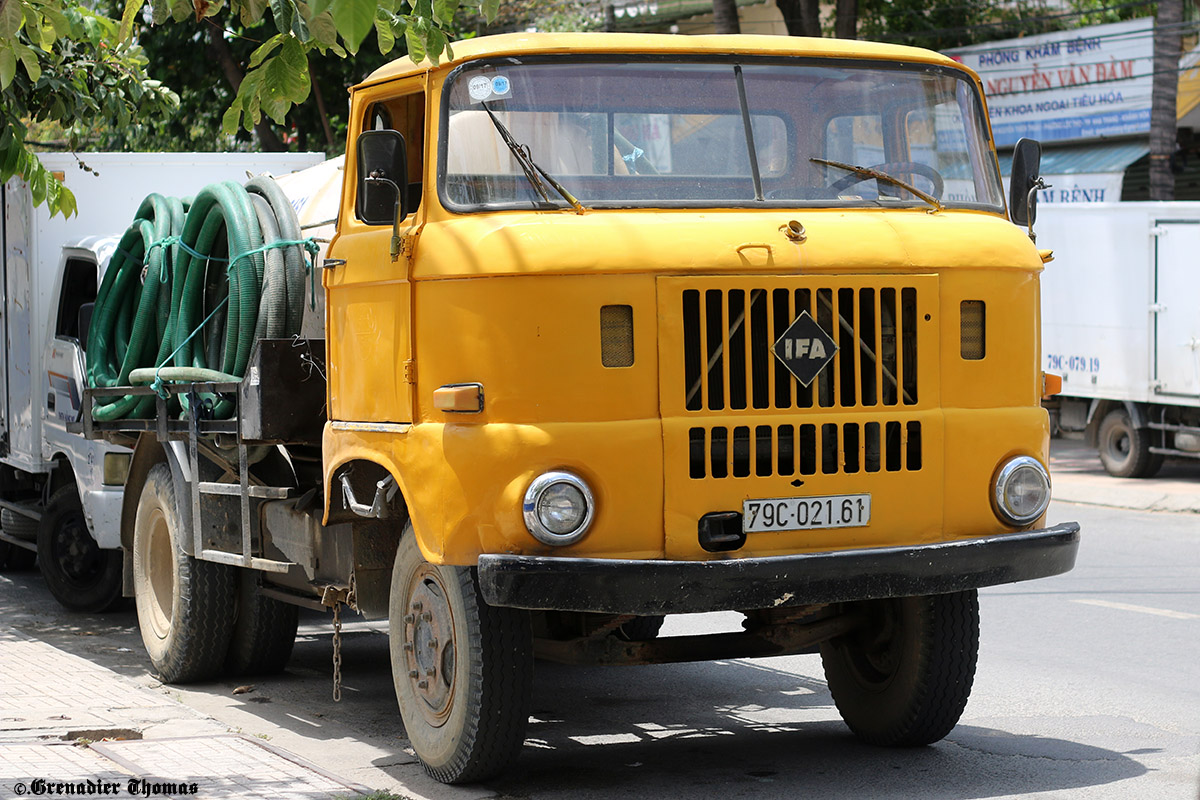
(463, 670)
(1124, 449)
(903, 679)
(185, 606)
(264, 631)
(80, 575)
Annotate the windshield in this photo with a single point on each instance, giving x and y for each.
(686, 134)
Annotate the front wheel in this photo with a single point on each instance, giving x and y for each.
(903, 677)
(80, 575)
(463, 670)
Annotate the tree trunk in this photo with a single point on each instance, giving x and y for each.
(802, 17)
(610, 16)
(725, 17)
(320, 98)
(1162, 98)
(218, 48)
(847, 19)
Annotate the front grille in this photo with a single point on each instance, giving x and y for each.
(806, 449)
(728, 334)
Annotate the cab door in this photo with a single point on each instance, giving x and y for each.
(368, 293)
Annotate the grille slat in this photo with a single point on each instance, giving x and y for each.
(830, 448)
(728, 335)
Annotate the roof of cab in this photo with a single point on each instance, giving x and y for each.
(513, 44)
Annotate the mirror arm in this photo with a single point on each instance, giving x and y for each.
(1030, 201)
(394, 249)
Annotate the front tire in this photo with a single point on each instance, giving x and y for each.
(463, 670)
(185, 606)
(1124, 449)
(80, 575)
(903, 678)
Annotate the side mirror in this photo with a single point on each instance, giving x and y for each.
(1022, 194)
(382, 178)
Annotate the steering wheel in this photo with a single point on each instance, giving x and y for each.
(896, 168)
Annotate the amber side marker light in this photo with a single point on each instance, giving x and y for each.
(1051, 384)
(459, 398)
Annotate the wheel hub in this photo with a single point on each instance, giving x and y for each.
(429, 646)
(160, 572)
(76, 552)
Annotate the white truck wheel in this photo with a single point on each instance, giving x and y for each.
(185, 606)
(1124, 449)
(463, 670)
(80, 575)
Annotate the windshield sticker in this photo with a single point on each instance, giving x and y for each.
(482, 87)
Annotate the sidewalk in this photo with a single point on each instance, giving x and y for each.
(64, 719)
(1078, 477)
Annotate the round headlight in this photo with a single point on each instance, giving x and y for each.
(558, 508)
(1021, 492)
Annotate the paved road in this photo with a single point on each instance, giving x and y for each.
(1086, 689)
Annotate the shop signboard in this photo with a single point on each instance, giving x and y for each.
(1085, 83)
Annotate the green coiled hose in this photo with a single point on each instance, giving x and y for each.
(190, 289)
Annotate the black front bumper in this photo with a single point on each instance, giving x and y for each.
(622, 586)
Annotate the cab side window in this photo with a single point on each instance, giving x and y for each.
(78, 290)
(405, 114)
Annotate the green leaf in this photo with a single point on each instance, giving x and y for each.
(435, 43)
(443, 11)
(8, 66)
(132, 7)
(265, 49)
(319, 6)
(36, 177)
(160, 11)
(354, 20)
(66, 202)
(10, 18)
(251, 11)
(283, 11)
(30, 60)
(490, 9)
(416, 44)
(323, 29)
(58, 21)
(181, 10)
(288, 73)
(8, 160)
(383, 31)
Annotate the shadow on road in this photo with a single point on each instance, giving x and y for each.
(765, 727)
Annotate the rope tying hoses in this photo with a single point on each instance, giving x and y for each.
(229, 272)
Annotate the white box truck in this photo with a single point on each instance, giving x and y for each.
(1121, 324)
(60, 494)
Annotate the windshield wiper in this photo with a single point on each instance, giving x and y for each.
(529, 166)
(867, 172)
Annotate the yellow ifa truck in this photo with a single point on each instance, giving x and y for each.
(618, 326)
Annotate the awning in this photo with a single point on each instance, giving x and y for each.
(1084, 159)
